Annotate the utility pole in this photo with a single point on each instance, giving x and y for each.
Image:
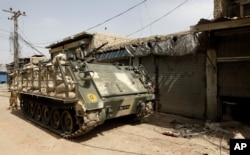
(15, 15)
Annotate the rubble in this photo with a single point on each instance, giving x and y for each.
(188, 130)
(216, 128)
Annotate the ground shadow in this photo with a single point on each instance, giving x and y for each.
(187, 127)
(106, 126)
(18, 113)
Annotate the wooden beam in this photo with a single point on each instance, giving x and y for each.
(226, 32)
(233, 23)
(233, 59)
(212, 110)
(243, 1)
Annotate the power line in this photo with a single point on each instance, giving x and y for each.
(11, 38)
(27, 42)
(158, 19)
(33, 42)
(30, 45)
(102, 22)
(116, 15)
(4, 30)
(44, 43)
(149, 17)
(22, 33)
(39, 46)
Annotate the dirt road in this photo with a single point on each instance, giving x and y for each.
(114, 137)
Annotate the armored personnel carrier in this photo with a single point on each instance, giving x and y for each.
(71, 94)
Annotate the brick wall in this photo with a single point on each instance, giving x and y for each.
(226, 8)
(218, 9)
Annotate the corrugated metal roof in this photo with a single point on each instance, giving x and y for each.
(112, 55)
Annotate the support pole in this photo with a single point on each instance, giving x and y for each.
(212, 111)
(15, 15)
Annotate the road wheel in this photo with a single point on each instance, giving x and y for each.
(31, 109)
(24, 106)
(68, 123)
(45, 115)
(38, 112)
(55, 118)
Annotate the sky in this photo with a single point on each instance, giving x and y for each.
(47, 21)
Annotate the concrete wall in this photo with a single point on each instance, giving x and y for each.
(231, 8)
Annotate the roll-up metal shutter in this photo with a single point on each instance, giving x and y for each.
(182, 84)
(234, 65)
(148, 63)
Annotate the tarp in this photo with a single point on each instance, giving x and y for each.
(178, 44)
(173, 46)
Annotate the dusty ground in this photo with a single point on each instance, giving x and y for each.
(114, 137)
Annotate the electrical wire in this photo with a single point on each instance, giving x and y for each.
(11, 40)
(5, 30)
(30, 45)
(20, 30)
(44, 43)
(28, 42)
(150, 29)
(101, 22)
(116, 16)
(34, 43)
(141, 21)
(158, 19)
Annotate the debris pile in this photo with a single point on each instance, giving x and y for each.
(193, 130)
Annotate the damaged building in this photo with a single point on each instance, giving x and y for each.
(202, 73)
(229, 55)
(177, 65)
(175, 62)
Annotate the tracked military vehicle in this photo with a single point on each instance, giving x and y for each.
(70, 94)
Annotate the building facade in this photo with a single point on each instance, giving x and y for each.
(177, 65)
(209, 81)
(229, 54)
